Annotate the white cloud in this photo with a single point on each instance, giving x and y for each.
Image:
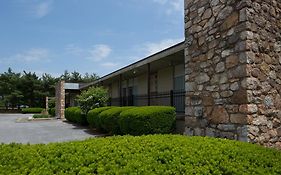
(171, 5)
(31, 55)
(109, 65)
(178, 5)
(40, 8)
(73, 49)
(95, 53)
(152, 48)
(99, 52)
(161, 1)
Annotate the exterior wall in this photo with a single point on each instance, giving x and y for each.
(232, 69)
(179, 70)
(115, 89)
(165, 80)
(141, 84)
(264, 67)
(179, 82)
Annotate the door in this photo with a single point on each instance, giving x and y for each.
(124, 97)
(130, 96)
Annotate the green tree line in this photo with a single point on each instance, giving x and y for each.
(29, 89)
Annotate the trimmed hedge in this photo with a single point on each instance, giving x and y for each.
(153, 154)
(52, 111)
(93, 116)
(31, 110)
(74, 114)
(41, 116)
(109, 119)
(148, 120)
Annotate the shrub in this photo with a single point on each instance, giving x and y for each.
(92, 98)
(147, 120)
(153, 154)
(31, 110)
(109, 119)
(74, 114)
(93, 116)
(40, 116)
(69, 114)
(52, 111)
(81, 118)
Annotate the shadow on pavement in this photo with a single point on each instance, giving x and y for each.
(87, 129)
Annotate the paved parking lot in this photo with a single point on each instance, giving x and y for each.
(13, 130)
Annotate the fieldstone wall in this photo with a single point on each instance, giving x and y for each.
(233, 66)
(60, 100)
(264, 67)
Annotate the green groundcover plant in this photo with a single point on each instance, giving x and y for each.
(31, 110)
(152, 154)
(41, 116)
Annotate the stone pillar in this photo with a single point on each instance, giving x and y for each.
(60, 100)
(233, 69)
(47, 103)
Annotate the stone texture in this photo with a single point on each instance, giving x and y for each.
(239, 118)
(202, 78)
(60, 100)
(233, 55)
(231, 61)
(219, 115)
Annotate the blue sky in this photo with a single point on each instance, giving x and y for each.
(94, 36)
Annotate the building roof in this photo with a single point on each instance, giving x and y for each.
(164, 53)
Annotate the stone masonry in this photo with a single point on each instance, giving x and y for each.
(233, 69)
(60, 100)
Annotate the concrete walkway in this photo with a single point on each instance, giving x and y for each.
(39, 131)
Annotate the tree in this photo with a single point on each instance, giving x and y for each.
(65, 76)
(48, 85)
(9, 83)
(90, 78)
(31, 89)
(92, 98)
(75, 77)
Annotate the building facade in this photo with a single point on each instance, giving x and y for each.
(224, 80)
(155, 80)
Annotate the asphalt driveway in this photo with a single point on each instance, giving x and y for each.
(14, 129)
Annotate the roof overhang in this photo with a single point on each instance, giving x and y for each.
(157, 56)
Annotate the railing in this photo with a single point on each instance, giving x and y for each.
(172, 98)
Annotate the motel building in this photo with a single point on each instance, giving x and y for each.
(157, 80)
(224, 79)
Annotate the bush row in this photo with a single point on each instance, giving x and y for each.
(152, 154)
(148, 120)
(133, 120)
(93, 116)
(31, 110)
(109, 119)
(74, 114)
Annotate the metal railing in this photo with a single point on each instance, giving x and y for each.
(172, 98)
